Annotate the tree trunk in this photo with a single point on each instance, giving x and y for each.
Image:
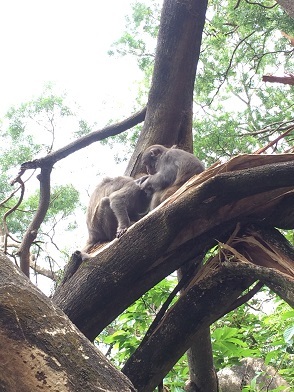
(168, 118)
(202, 375)
(122, 272)
(193, 216)
(288, 6)
(213, 292)
(41, 349)
(170, 103)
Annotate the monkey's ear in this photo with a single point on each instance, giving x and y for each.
(155, 152)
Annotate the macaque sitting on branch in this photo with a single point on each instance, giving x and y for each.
(115, 204)
(168, 169)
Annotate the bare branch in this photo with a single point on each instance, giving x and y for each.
(288, 79)
(42, 271)
(32, 231)
(6, 232)
(46, 163)
(261, 5)
(229, 66)
(85, 141)
(273, 142)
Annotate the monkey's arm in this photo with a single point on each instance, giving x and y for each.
(139, 181)
(118, 204)
(165, 177)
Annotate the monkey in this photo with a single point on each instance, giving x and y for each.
(113, 206)
(168, 169)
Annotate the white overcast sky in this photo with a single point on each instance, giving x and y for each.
(65, 42)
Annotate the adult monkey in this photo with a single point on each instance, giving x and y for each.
(114, 205)
(168, 169)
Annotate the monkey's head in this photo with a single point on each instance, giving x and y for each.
(151, 156)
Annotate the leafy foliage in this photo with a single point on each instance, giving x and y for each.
(249, 331)
(234, 112)
(138, 40)
(133, 323)
(64, 200)
(257, 330)
(30, 130)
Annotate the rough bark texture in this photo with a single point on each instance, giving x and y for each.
(208, 206)
(41, 350)
(169, 111)
(215, 289)
(202, 376)
(201, 368)
(288, 6)
(202, 304)
(289, 79)
(104, 282)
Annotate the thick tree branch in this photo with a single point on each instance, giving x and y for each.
(43, 350)
(46, 163)
(170, 101)
(178, 230)
(32, 230)
(86, 140)
(288, 79)
(22, 189)
(217, 286)
(245, 298)
(288, 6)
(197, 308)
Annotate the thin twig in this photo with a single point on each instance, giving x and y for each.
(263, 149)
(7, 213)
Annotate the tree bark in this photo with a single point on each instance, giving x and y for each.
(170, 103)
(289, 79)
(169, 111)
(202, 375)
(215, 289)
(41, 349)
(178, 231)
(203, 208)
(288, 6)
(200, 306)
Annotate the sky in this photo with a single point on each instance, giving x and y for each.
(64, 42)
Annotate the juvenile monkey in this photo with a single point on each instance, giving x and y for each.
(114, 204)
(168, 169)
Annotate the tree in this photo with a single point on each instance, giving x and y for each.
(237, 205)
(33, 129)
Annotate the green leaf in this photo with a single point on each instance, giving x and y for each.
(289, 335)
